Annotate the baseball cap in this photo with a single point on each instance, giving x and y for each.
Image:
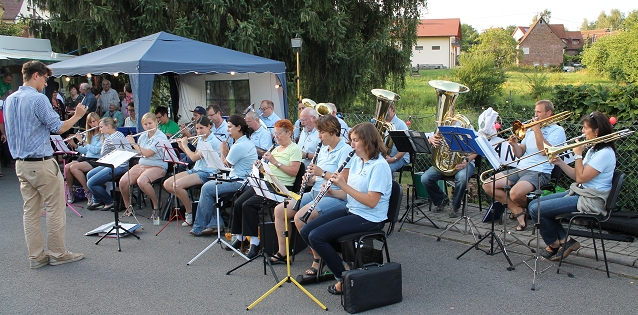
(200, 110)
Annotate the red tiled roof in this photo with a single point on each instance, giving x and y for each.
(439, 28)
(558, 29)
(11, 8)
(523, 29)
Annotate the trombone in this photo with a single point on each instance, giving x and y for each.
(519, 129)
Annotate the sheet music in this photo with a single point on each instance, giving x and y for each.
(117, 157)
(488, 151)
(168, 153)
(211, 156)
(60, 145)
(121, 143)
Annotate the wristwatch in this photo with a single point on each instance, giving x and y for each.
(577, 156)
(278, 164)
(323, 175)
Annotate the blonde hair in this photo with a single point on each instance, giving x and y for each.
(148, 116)
(89, 135)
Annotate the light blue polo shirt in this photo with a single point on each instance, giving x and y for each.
(604, 161)
(308, 141)
(399, 125)
(554, 134)
(222, 132)
(242, 155)
(92, 150)
(145, 142)
(261, 138)
(201, 165)
(331, 160)
(374, 175)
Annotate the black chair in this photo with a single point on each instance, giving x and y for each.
(349, 243)
(589, 219)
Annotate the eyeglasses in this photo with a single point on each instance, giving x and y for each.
(158, 117)
(263, 108)
(280, 133)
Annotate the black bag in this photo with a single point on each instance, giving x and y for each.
(371, 287)
(494, 212)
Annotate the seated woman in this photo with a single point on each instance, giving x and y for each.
(284, 162)
(199, 174)
(150, 167)
(593, 175)
(100, 175)
(240, 157)
(368, 185)
(332, 154)
(91, 152)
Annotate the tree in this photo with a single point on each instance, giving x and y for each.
(546, 15)
(470, 37)
(614, 56)
(9, 29)
(631, 22)
(612, 21)
(498, 43)
(510, 29)
(349, 46)
(479, 72)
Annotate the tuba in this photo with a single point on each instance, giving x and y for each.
(384, 99)
(443, 159)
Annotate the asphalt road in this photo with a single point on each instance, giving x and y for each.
(150, 276)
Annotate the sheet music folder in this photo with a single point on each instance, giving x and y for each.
(468, 141)
(410, 141)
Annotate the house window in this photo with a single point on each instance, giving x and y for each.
(525, 50)
(575, 42)
(233, 96)
(436, 47)
(418, 47)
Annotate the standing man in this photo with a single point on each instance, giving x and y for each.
(89, 101)
(107, 97)
(396, 159)
(220, 126)
(309, 137)
(29, 121)
(166, 125)
(268, 116)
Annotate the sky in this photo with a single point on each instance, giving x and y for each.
(502, 13)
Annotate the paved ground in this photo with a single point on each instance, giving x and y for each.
(150, 275)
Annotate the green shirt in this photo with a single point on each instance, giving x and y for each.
(4, 88)
(169, 128)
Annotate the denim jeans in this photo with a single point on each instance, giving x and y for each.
(551, 206)
(430, 180)
(325, 205)
(326, 228)
(396, 165)
(206, 216)
(97, 177)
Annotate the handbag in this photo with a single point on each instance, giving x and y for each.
(494, 212)
(372, 286)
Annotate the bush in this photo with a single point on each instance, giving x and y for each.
(538, 83)
(615, 100)
(479, 72)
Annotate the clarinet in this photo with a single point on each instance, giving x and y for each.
(306, 177)
(258, 166)
(324, 191)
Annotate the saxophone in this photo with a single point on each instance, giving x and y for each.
(443, 159)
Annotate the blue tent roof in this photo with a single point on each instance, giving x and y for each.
(163, 52)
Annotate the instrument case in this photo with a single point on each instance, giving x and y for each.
(371, 286)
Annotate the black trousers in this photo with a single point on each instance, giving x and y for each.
(246, 212)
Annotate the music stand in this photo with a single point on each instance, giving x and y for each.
(484, 148)
(113, 160)
(170, 156)
(413, 142)
(63, 149)
(461, 140)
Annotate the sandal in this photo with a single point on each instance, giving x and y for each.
(332, 289)
(312, 271)
(278, 259)
(521, 227)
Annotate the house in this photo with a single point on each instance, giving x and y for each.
(438, 44)
(544, 44)
(519, 32)
(15, 9)
(591, 36)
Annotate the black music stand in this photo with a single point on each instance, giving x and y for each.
(63, 149)
(169, 155)
(112, 160)
(482, 147)
(265, 190)
(412, 142)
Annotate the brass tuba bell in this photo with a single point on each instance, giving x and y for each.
(443, 159)
(384, 99)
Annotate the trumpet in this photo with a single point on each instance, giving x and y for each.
(306, 178)
(187, 126)
(325, 189)
(81, 133)
(249, 108)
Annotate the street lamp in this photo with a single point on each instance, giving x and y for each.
(296, 47)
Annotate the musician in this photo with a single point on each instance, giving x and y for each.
(197, 113)
(344, 126)
(309, 137)
(331, 155)
(114, 113)
(100, 175)
(219, 127)
(90, 149)
(131, 120)
(432, 176)
(396, 159)
(150, 167)
(29, 120)
(367, 184)
(593, 175)
(298, 124)
(284, 162)
(527, 179)
(240, 158)
(260, 136)
(166, 125)
(268, 116)
(199, 174)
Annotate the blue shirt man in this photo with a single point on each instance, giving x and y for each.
(268, 115)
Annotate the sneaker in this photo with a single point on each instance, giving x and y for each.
(188, 220)
(35, 264)
(454, 213)
(71, 198)
(66, 258)
(89, 198)
(442, 206)
(566, 249)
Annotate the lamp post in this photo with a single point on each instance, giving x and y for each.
(296, 47)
